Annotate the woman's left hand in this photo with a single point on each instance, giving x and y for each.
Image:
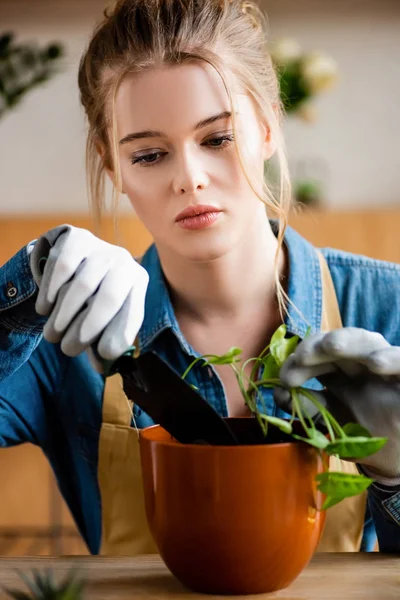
(361, 373)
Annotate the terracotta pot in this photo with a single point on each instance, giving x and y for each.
(232, 519)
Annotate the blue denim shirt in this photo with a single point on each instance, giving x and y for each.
(55, 402)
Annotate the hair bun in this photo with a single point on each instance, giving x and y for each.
(251, 10)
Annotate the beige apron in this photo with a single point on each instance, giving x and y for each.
(124, 524)
(345, 521)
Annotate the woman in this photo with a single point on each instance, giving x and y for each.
(183, 109)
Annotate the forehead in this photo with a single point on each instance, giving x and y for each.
(170, 98)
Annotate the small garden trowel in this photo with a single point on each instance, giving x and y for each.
(162, 394)
(171, 402)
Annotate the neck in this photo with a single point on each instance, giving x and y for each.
(242, 281)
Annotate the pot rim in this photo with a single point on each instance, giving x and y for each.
(223, 447)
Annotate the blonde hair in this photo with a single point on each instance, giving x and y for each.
(135, 35)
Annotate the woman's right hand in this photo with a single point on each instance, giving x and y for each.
(93, 293)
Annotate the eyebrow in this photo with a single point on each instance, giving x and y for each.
(150, 133)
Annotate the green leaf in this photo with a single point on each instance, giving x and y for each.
(271, 368)
(43, 586)
(316, 439)
(293, 87)
(281, 424)
(281, 348)
(338, 486)
(356, 430)
(355, 447)
(54, 51)
(279, 335)
(31, 583)
(225, 359)
(72, 591)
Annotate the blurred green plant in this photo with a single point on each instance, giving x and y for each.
(307, 192)
(43, 586)
(24, 67)
(302, 76)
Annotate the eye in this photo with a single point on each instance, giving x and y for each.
(219, 142)
(147, 160)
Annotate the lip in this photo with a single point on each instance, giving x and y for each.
(195, 211)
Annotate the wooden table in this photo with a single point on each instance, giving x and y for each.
(328, 577)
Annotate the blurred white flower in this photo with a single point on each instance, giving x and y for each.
(319, 71)
(307, 112)
(285, 50)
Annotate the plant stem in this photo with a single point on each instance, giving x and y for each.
(253, 370)
(293, 414)
(330, 421)
(248, 361)
(244, 393)
(190, 367)
(264, 351)
(297, 408)
(257, 395)
(267, 382)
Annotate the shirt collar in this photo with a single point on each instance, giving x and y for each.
(304, 290)
(304, 285)
(159, 313)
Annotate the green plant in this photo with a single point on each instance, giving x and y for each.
(351, 441)
(301, 75)
(307, 192)
(44, 587)
(23, 67)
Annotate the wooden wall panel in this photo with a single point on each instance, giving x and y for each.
(28, 484)
(33, 517)
(16, 232)
(374, 233)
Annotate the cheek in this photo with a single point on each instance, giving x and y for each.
(144, 198)
(142, 185)
(252, 170)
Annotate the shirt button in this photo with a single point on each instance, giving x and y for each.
(11, 290)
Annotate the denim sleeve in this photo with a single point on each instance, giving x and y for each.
(22, 385)
(20, 326)
(23, 417)
(367, 292)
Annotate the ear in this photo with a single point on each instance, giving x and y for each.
(269, 140)
(269, 147)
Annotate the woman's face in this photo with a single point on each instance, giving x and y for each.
(177, 152)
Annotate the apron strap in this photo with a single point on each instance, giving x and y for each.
(117, 408)
(345, 521)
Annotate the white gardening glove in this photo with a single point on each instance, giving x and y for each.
(92, 292)
(361, 373)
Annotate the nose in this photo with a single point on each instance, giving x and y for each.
(190, 175)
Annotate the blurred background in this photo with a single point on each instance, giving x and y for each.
(339, 66)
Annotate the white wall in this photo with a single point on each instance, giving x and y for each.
(357, 134)
(42, 142)
(354, 143)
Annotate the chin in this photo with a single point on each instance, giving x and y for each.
(206, 250)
